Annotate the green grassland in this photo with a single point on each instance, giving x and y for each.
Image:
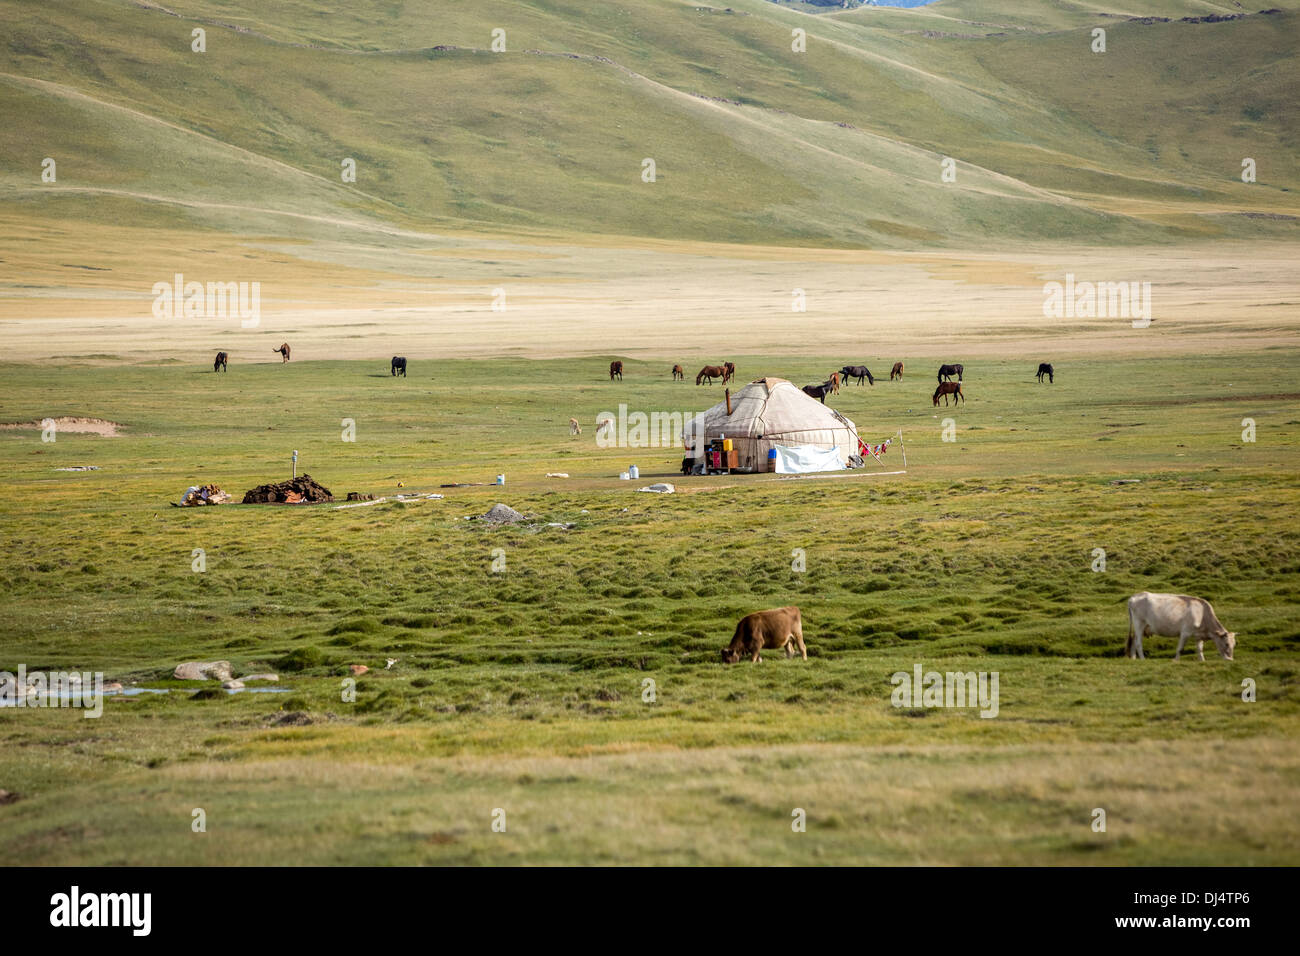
(838, 146)
(523, 690)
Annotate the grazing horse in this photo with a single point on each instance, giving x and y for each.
(729, 372)
(574, 427)
(1045, 368)
(818, 392)
(948, 371)
(616, 369)
(948, 388)
(219, 363)
(284, 352)
(678, 373)
(399, 365)
(896, 371)
(711, 372)
(834, 382)
(860, 372)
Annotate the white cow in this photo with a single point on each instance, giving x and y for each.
(1175, 615)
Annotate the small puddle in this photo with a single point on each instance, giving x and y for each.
(6, 700)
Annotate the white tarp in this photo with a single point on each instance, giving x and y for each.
(801, 459)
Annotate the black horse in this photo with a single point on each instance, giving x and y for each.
(1045, 368)
(948, 371)
(859, 372)
(399, 365)
(818, 392)
(219, 363)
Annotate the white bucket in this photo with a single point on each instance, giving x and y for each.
(501, 479)
(633, 471)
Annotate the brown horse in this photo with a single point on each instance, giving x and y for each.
(219, 363)
(284, 352)
(616, 369)
(834, 382)
(678, 373)
(711, 372)
(730, 372)
(896, 371)
(948, 388)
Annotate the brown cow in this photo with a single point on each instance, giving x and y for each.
(948, 388)
(679, 372)
(616, 368)
(284, 352)
(779, 627)
(896, 371)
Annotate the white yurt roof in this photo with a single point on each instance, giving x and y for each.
(776, 411)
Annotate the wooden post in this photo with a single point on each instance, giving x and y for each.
(727, 392)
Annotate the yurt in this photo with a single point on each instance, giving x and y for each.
(772, 414)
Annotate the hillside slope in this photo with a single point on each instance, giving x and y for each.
(839, 145)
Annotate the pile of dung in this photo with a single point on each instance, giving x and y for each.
(298, 491)
(202, 495)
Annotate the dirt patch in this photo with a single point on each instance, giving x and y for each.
(295, 718)
(297, 491)
(88, 426)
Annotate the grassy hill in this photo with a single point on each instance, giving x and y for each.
(839, 145)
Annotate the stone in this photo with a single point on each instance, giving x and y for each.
(266, 677)
(203, 670)
(502, 514)
(232, 685)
